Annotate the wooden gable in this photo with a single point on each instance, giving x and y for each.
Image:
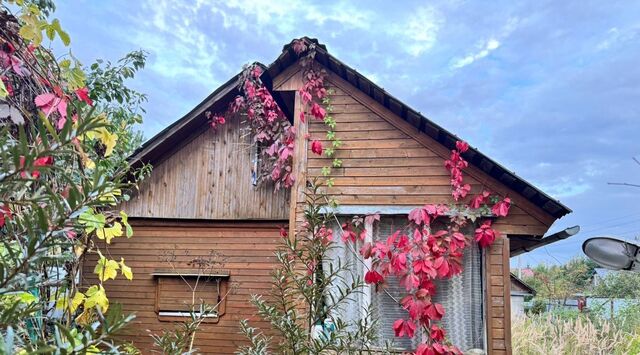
(388, 162)
(210, 177)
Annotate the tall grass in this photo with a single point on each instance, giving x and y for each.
(557, 334)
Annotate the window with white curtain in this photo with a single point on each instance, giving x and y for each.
(461, 296)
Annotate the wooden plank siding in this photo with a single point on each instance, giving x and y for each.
(387, 162)
(246, 253)
(498, 297)
(383, 165)
(209, 178)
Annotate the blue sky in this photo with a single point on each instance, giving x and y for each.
(548, 88)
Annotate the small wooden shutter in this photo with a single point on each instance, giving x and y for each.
(175, 293)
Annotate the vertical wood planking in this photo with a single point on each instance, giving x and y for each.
(208, 178)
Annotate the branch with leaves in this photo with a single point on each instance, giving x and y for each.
(62, 170)
(307, 293)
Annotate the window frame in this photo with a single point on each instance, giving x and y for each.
(366, 297)
(221, 283)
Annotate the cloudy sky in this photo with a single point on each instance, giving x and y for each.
(548, 88)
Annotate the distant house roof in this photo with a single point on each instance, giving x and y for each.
(527, 272)
(520, 288)
(172, 137)
(602, 272)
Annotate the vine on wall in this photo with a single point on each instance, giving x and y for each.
(423, 252)
(269, 126)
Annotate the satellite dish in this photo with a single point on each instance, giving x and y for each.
(612, 253)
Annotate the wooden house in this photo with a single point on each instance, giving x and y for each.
(519, 290)
(201, 207)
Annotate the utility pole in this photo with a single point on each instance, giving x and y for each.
(519, 267)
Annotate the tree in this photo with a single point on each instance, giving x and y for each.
(620, 284)
(558, 282)
(64, 136)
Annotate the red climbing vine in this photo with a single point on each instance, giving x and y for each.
(269, 127)
(427, 250)
(268, 124)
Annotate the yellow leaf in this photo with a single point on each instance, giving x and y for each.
(89, 135)
(26, 297)
(109, 140)
(77, 300)
(3, 90)
(106, 269)
(63, 302)
(87, 162)
(110, 196)
(85, 317)
(96, 296)
(79, 250)
(126, 271)
(125, 220)
(109, 233)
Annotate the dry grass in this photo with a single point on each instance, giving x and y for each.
(548, 334)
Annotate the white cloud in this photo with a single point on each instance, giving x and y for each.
(616, 36)
(486, 48)
(180, 48)
(288, 17)
(566, 188)
(420, 32)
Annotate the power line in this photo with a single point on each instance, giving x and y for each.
(554, 258)
(611, 226)
(608, 220)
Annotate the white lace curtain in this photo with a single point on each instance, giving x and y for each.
(461, 296)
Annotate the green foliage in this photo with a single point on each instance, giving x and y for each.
(558, 282)
(620, 284)
(305, 296)
(551, 334)
(538, 306)
(628, 317)
(179, 341)
(258, 342)
(61, 173)
(121, 104)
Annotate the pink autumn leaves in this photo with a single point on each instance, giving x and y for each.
(430, 248)
(485, 235)
(56, 103)
(268, 123)
(312, 90)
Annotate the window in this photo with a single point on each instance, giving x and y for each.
(255, 163)
(177, 294)
(461, 296)
(257, 154)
